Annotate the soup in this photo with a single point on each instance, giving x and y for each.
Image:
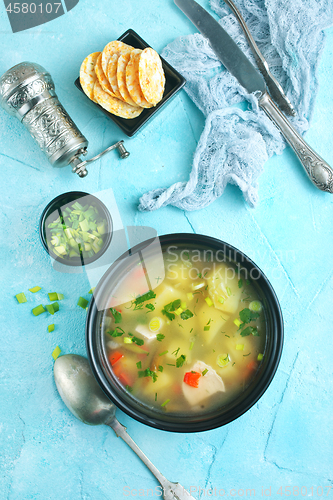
(193, 342)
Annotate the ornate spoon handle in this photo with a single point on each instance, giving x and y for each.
(320, 173)
(171, 491)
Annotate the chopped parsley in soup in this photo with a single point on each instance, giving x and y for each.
(195, 341)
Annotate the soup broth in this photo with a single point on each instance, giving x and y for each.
(195, 341)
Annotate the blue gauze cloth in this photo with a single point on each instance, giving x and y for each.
(235, 144)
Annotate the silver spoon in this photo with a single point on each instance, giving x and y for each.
(85, 399)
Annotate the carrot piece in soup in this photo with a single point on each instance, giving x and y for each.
(192, 378)
(114, 357)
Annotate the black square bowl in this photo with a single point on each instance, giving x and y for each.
(174, 81)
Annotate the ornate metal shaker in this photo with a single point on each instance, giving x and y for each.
(27, 91)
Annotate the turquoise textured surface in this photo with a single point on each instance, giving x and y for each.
(283, 445)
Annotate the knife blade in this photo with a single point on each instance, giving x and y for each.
(235, 61)
(275, 89)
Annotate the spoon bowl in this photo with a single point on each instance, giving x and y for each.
(86, 400)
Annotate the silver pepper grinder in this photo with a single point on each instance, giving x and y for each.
(27, 92)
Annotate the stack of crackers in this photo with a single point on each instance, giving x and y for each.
(122, 79)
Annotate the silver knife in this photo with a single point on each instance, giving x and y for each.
(228, 52)
(275, 89)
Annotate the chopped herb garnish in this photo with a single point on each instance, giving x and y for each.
(244, 355)
(206, 328)
(191, 346)
(248, 282)
(246, 315)
(180, 361)
(171, 364)
(250, 330)
(169, 309)
(117, 332)
(116, 315)
(204, 372)
(150, 306)
(155, 396)
(228, 291)
(164, 352)
(129, 388)
(148, 373)
(81, 302)
(160, 337)
(187, 255)
(165, 402)
(143, 298)
(139, 365)
(176, 351)
(135, 340)
(186, 314)
(240, 283)
(160, 368)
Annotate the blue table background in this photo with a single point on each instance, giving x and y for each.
(286, 439)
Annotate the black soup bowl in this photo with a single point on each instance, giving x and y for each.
(226, 410)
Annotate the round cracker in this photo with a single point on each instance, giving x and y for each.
(151, 76)
(88, 76)
(121, 77)
(132, 80)
(111, 48)
(112, 74)
(114, 105)
(104, 82)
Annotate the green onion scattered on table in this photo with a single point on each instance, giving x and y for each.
(50, 328)
(21, 298)
(82, 302)
(78, 231)
(56, 352)
(38, 310)
(35, 289)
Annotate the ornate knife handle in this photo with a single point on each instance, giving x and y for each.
(320, 173)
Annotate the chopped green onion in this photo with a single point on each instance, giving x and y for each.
(53, 296)
(50, 328)
(35, 289)
(21, 298)
(127, 340)
(260, 356)
(165, 402)
(183, 305)
(190, 296)
(228, 291)
(155, 396)
(179, 311)
(191, 345)
(82, 302)
(239, 347)
(92, 290)
(60, 296)
(204, 372)
(223, 360)
(38, 310)
(206, 328)
(50, 308)
(55, 306)
(255, 306)
(221, 300)
(209, 301)
(164, 352)
(237, 322)
(56, 352)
